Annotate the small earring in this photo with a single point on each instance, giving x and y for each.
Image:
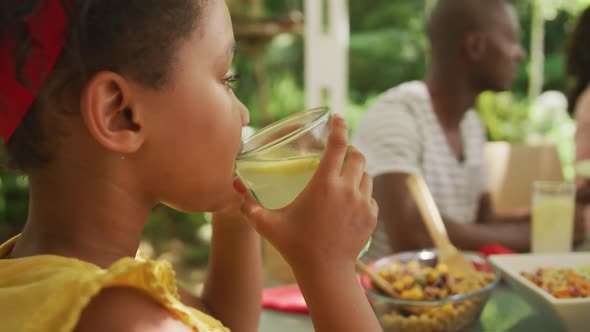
(123, 157)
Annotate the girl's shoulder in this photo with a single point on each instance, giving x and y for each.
(127, 309)
(56, 293)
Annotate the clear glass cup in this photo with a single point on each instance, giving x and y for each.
(276, 164)
(553, 208)
(278, 161)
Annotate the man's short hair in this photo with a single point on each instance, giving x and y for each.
(451, 20)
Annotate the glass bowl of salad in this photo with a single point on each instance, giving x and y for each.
(428, 296)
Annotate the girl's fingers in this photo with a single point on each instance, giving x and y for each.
(374, 208)
(354, 167)
(256, 215)
(335, 152)
(366, 186)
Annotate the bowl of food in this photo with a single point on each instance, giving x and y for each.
(428, 297)
(556, 285)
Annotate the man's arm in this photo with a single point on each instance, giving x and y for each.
(406, 230)
(399, 214)
(486, 214)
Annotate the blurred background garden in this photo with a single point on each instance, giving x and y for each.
(387, 47)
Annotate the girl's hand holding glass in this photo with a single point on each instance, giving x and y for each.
(331, 220)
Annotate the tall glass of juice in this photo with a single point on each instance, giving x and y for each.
(552, 216)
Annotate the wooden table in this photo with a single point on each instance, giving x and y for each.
(505, 311)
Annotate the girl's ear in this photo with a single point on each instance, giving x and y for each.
(109, 114)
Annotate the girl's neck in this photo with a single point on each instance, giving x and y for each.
(78, 213)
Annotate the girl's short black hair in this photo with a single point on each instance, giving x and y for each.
(578, 59)
(135, 38)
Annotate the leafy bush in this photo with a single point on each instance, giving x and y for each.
(504, 116)
(516, 120)
(14, 201)
(384, 58)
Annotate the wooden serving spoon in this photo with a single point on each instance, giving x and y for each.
(377, 279)
(447, 253)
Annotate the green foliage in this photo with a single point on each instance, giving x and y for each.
(504, 115)
(14, 201)
(283, 65)
(379, 14)
(279, 7)
(551, 8)
(545, 121)
(376, 66)
(166, 224)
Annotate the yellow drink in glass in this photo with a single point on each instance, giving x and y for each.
(278, 161)
(276, 183)
(553, 211)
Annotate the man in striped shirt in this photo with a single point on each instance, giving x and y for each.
(428, 128)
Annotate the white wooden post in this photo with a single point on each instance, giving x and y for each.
(326, 54)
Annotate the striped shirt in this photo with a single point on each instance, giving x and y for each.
(400, 133)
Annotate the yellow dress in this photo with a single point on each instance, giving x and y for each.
(49, 293)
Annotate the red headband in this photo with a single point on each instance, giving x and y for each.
(46, 28)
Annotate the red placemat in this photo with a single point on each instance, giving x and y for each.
(495, 249)
(286, 298)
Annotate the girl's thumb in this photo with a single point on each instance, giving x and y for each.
(256, 215)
